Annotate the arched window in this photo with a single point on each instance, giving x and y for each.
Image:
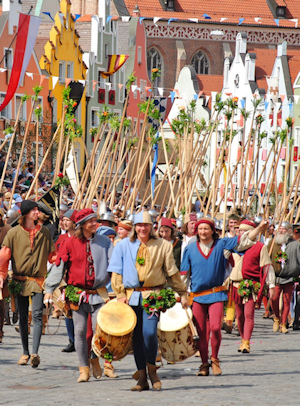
(201, 63)
(154, 60)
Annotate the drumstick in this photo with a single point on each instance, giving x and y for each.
(1, 296)
(192, 327)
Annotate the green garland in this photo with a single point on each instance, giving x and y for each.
(159, 302)
(140, 260)
(14, 288)
(280, 257)
(247, 287)
(72, 293)
(108, 356)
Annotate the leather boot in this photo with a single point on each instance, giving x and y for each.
(156, 384)
(34, 360)
(142, 383)
(84, 374)
(96, 368)
(246, 347)
(45, 319)
(24, 359)
(241, 346)
(215, 365)
(70, 347)
(283, 328)
(109, 370)
(203, 370)
(276, 324)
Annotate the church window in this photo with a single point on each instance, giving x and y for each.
(201, 63)
(155, 60)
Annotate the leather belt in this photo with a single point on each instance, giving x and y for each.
(144, 288)
(90, 291)
(207, 292)
(39, 279)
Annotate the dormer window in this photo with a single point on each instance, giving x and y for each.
(169, 5)
(280, 11)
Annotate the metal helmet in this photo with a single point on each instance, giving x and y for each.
(208, 216)
(286, 225)
(108, 216)
(258, 219)
(153, 213)
(199, 215)
(178, 223)
(11, 216)
(218, 225)
(130, 217)
(63, 207)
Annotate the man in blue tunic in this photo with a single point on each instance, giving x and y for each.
(204, 265)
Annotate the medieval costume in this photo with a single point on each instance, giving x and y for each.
(286, 270)
(204, 266)
(134, 279)
(188, 237)
(29, 250)
(175, 241)
(253, 268)
(86, 260)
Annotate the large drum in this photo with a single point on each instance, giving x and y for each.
(115, 324)
(175, 337)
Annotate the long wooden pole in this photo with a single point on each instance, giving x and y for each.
(20, 158)
(59, 149)
(43, 161)
(10, 147)
(227, 178)
(36, 157)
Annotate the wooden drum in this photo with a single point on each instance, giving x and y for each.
(115, 324)
(175, 337)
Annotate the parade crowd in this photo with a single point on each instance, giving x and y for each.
(145, 262)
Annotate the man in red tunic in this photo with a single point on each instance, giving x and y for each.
(252, 266)
(86, 256)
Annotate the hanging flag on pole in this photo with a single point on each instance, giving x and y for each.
(155, 159)
(115, 62)
(26, 37)
(70, 170)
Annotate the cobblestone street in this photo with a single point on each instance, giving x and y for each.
(269, 375)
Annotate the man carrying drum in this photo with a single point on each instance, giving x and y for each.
(204, 264)
(141, 264)
(86, 256)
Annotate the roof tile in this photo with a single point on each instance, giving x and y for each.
(232, 10)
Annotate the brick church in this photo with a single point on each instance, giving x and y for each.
(201, 33)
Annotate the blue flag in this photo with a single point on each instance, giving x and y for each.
(48, 14)
(155, 159)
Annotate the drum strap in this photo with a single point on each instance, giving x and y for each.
(207, 292)
(144, 288)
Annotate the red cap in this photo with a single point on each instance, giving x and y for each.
(247, 225)
(205, 220)
(84, 215)
(166, 222)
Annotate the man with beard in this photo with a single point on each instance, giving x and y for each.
(286, 269)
